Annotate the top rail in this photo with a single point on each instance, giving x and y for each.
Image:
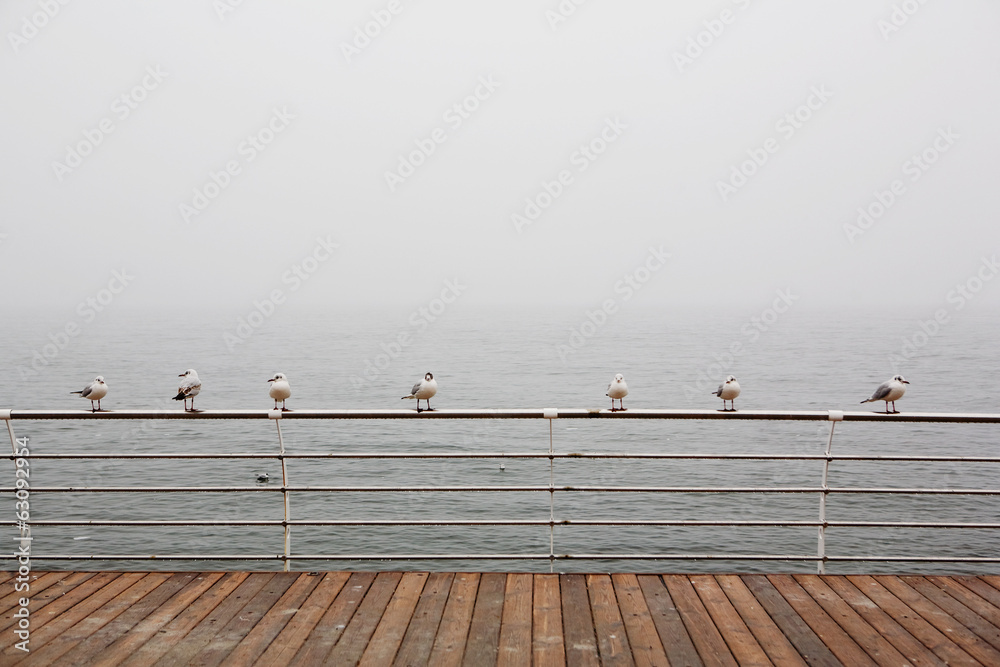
(532, 413)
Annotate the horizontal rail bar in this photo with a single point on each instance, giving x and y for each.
(505, 522)
(518, 455)
(536, 413)
(263, 488)
(535, 556)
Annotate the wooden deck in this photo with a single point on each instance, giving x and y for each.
(444, 618)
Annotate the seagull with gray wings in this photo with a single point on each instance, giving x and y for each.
(189, 388)
(423, 391)
(94, 391)
(889, 391)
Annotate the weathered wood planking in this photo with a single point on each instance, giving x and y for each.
(441, 618)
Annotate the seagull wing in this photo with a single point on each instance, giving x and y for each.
(881, 392)
(188, 386)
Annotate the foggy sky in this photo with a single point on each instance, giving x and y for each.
(292, 121)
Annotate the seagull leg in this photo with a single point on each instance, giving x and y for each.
(429, 408)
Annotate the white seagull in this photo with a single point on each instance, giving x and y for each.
(189, 388)
(617, 389)
(423, 390)
(280, 390)
(95, 391)
(889, 391)
(728, 391)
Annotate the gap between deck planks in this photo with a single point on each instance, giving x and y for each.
(467, 618)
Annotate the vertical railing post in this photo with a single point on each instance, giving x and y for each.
(550, 414)
(5, 415)
(276, 416)
(834, 417)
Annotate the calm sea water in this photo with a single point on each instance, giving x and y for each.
(508, 359)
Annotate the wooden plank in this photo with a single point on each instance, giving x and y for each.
(958, 611)
(612, 639)
(547, 647)
(415, 649)
(515, 625)
(36, 584)
(82, 621)
(391, 629)
(123, 647)
(939, 618)
(810, 647)
(673, 635)
(449, 646)
(769, 636)
(992, 579)
(181, 621)
(359, 630)
(60, 596)
(642, 635)
(980, 588)
(246, 617)
(483, 643)
(327, 631)
(868, 638)
(95, 646)
(706, 637)
(967, 597)
(838, 641)
(199, 637)
(915, 624)
(727, 620)
(916, 653)
(291, 637)
(578, 623)
(58, 613)
(257, 640)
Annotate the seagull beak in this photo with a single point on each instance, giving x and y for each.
(271, 380)
(906, 382)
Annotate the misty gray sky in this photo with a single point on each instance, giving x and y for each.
(215, 153)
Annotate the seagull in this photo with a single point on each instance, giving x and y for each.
(423, 390)
(280, 390)
(728, 391)
(263, 477)
(617, 389)
(889, 391)
(95, 391)
(189, 388)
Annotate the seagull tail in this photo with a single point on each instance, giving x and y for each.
(77, 392)
(406, 397)
(867, 400)
(180, 396)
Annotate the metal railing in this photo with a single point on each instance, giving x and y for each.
(823, 490)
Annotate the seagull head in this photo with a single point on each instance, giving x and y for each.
(619, 377)
(900, 378)
(189, 371)
(277, 376)
(730, 379)
(429, 376)
(99, 379)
